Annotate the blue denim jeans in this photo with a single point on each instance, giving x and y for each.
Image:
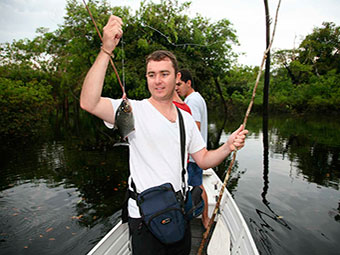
(194, 174)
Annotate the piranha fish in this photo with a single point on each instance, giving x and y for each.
(124, 121)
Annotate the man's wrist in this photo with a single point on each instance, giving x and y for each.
(107, 52)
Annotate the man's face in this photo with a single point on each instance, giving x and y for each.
(161, 79)
(182, 87)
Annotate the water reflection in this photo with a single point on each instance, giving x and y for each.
(267, 219)
(309, 157)
(61, 197)
(55, 195)
(336, 213)
(313, 146)
(287, 184)
(217, 127)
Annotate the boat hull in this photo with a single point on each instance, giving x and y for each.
(231, 234)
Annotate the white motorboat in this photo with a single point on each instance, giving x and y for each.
(230, 235)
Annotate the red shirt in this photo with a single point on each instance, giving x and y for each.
(182, 106)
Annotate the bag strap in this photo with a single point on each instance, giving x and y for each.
(182, 139)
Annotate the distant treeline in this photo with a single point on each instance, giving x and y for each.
(41, 79)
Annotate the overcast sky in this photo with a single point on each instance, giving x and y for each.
(20, 18)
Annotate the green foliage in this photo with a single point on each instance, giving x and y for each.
(61, 58)
(237, 97)
(24, 107)
(307, 78)
(320, 94)
(321, 49)
(56, 62)
(240, 79)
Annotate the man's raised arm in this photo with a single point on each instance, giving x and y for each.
(90, 97)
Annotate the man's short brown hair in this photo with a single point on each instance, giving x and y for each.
(159, 55)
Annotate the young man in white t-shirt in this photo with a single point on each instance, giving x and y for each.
(155, 144)
(198, 107)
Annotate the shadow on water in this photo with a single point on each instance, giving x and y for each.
(271, 214)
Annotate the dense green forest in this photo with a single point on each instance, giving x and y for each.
(41, 79)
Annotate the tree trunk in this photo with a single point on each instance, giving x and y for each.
(290, 74)
(267, 71)
(66, 110)
(218, 87)
(265, 110)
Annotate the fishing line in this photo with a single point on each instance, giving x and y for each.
(181, 44)
(123, 61)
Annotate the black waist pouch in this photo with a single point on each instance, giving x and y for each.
(163, 213)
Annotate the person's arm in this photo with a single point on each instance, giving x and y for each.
(90, 97)
(198, 125)
(206, 159)
(195, 109)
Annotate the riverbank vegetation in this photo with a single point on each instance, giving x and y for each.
(41, 78)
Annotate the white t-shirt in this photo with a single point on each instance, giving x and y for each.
(199, 112)
(155, 152)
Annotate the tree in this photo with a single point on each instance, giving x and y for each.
(321, 49)
(24, 107)
(308, 78)
(25, 91)
(201, 46)
(63, 57)
(267, 70)
(317, 54)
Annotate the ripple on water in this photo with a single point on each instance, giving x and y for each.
(36, 214)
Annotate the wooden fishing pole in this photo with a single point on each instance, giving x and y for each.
(101, 38)
(212, 219)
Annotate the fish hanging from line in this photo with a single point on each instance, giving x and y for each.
(124, 121)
